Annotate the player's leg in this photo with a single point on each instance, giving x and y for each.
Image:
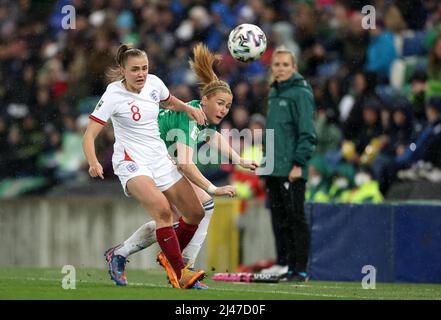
(179, 192)
(145, 235)
(191, 251)
(182, 195)
(297, 231)
(142, 238)
(145, 191)
(274, 193)
(116, 257)
(130, 175)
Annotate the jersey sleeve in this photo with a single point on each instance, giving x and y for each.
(104, 109)
(164, 93)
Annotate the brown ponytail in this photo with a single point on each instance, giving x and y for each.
(202, 66)
(124, 52)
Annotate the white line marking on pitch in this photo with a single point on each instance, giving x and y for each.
(138, 284)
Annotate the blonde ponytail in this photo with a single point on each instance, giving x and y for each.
(202, 66)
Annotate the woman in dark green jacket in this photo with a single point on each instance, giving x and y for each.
(290, 115)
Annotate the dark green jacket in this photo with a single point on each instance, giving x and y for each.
(290, 113)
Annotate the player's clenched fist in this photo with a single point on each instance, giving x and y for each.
(96, 170)
(226, 191)
(249, 164)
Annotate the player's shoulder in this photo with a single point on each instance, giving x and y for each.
(195, 104)
(114, 88)
(154, 79)
(113, 97)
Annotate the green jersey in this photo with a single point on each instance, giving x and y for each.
(178, 127)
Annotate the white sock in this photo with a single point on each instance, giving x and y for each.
(142, 238)
(191, 251)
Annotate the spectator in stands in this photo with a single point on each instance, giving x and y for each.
(381, 44)
(72, 162)
(32, 140)
(248, 184)
(402, 126)
(413, 12)
(44, 109)
(290, 114)
(44, 67)
(49, 159)
(434, 68)
(94, 64)
(417, 93)
(351, 107)
(329, 135)
(240, 117)
(259, 93)
(353, 42)
(366, 137)
(432, 152)
(366, 189)
(342, 183)
(198, 27)
(332, 95)
(283, 34)
(318, 181)
(427, 146)
(397, 127)
(394, 21)
(312, 50)
(242, 94)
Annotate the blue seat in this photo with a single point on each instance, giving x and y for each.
(413, 44)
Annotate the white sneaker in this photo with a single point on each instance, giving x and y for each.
(275, 269)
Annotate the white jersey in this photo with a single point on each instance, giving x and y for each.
(135, 120)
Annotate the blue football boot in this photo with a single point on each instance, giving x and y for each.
(117, 266)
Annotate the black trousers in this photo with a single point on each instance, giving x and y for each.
(291, 231)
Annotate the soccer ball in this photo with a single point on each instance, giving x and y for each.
(247, 42)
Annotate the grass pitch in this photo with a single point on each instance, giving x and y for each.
(46, 284)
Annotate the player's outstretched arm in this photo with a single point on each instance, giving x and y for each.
(189, 169)
(92, 131)
(176, 104)
(221, 144)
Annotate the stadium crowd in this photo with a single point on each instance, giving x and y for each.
(377, 91)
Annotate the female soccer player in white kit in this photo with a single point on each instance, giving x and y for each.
(216, 102)
(140, 158)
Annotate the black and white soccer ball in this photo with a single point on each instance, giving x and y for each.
(247, 42)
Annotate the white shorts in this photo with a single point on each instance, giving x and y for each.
(164, 173)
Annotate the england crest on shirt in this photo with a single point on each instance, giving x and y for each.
(132, 167)
(154, 95)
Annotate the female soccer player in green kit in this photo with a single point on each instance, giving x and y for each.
(181, 135)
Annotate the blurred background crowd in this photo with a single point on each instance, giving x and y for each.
(377, 91)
